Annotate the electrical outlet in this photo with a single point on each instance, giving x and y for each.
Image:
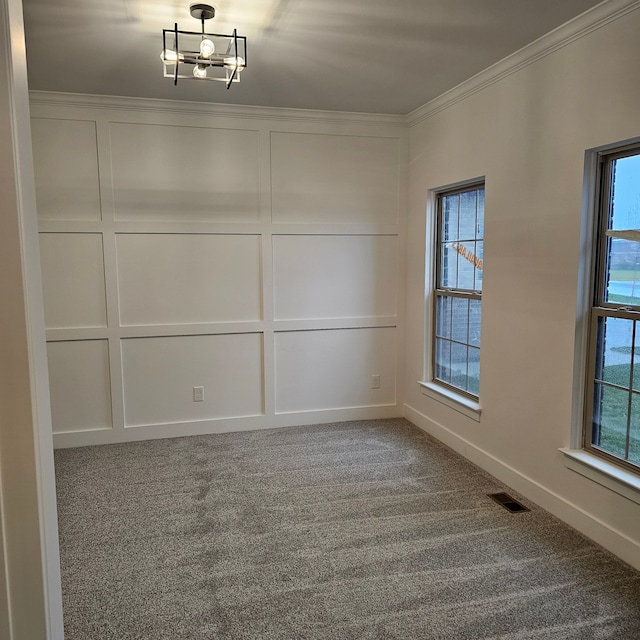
(375, 381)
(198, 394)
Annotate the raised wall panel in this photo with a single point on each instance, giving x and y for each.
(177, 173)
(73, 280)
(65, 159)
(333, 369)
(188, 278)
(79, 385)
(334, 276)
(160, 373)
(333, 179)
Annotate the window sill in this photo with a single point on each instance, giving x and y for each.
(453, 400)
(603, 472)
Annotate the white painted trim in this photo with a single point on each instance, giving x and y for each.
(390, 405)
(5, 587)
(582, 25)
(315, 324)
(185, 107)
(218, 228)
(35, 444)
(584, 296)
(608, 537)
(451, 399)
(429, 284)
(402, 267)
(605, 473)
(223, 425)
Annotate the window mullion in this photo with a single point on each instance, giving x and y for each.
(630, 402)
(457, 254)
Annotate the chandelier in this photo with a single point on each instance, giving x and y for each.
(200, 55)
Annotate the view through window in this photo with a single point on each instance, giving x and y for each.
(458, 288)
(613, 405)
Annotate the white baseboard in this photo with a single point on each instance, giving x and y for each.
(600, 532)
(204, 427)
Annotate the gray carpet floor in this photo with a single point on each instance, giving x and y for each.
(357, 530)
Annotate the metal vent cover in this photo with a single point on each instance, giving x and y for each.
(508, 502)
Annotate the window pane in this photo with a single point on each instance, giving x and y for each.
(450, 206)
(461, 266)
(459, 365)
(475, 318)
(449, 267)
(460, 319)
(443, 316)
(622, 277)
(474, 371)
(610, 411)
(443, 360)
(466, 264)
(614, 350)
(468, 206)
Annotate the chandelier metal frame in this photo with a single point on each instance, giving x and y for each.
(228, 56)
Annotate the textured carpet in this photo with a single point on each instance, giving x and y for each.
(360, 530)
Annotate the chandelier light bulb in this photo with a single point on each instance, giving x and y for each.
(199, 71)
(206, 48)
(232, 63)
(169, 55)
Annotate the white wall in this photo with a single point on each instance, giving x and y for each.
(253, 252)
(527, 133)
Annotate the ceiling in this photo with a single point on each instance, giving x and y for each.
(344, 55)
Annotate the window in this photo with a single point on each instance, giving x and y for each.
(613, 382)
(458, 289)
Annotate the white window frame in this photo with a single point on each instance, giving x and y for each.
(604, 470)
(430, 387)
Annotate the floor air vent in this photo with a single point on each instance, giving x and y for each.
(506, 501)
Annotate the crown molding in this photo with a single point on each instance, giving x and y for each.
(90, 101)
(580, 26)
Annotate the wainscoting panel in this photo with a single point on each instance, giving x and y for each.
(79, 383)
(65, 158)
(334, 179)
(334, 276)
(334, 368)
(180, 173)
(251, 252)
(159, 375)
(73, 280)
(188, 278)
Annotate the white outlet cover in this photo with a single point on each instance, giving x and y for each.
(198, 394)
